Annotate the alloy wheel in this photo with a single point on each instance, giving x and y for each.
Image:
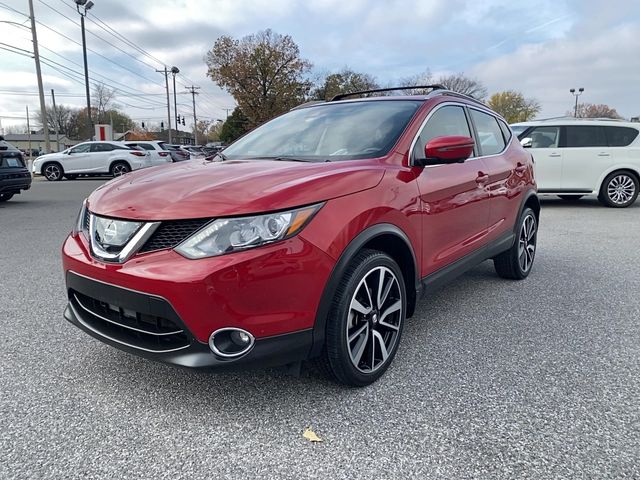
(621, 189)
(119, 170)
(375, 316)
(52, 172)
(527, 243)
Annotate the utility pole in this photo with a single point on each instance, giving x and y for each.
(576, 94)
(227, 110)
(36, 55)
(55, 120)
(166, 83)
(28, 135)
(87, 6)
(192, 90)
(174, 72)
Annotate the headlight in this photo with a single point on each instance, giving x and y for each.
(79, 226)
(227, 235)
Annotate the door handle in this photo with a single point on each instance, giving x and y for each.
(520, 168)
(604, 155)
(554, 155)
(482, 178)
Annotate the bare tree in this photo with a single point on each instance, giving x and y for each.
(590, 110)
(103, 101)
(462, 84)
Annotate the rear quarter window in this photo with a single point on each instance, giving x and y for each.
(620, 136)
(581, 136)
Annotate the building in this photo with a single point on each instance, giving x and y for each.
(178, 137)
(35, 141)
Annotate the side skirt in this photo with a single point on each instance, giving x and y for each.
(446, 274)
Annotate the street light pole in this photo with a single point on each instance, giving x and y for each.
(36, 55)
(174, 72)
(166, 83)
(576, 94)
(86, 6)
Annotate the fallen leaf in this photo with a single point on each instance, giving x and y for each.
(311, 435)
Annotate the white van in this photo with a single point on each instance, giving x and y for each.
(578, 157)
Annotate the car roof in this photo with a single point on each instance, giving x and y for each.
(578, 121)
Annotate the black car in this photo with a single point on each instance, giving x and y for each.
(14, 176)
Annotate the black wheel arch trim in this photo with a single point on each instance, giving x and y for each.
(529, 195)
(341, 265)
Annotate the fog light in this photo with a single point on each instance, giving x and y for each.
(230, 342)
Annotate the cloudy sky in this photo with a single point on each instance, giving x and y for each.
(540, 48)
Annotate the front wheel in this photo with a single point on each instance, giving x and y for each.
(619, 190)
(119, 168)
(5, 196)
(53, 172)
(516, 262)
(366, 320)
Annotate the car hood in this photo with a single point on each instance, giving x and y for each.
(198, 189)
(50, 156)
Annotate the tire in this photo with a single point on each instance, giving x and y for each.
(5, 197)
(571, 198)
(119, 168)
(71, 176)
(53, 171)
(516, 263)
(619, 190)
(362, 336)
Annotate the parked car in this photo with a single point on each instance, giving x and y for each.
(14, 175)
(91, 158)
(578, 157)
(158, 154)
(313, 237)
(195, 152)
(178, 154)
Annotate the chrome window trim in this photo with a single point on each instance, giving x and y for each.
(455, 104)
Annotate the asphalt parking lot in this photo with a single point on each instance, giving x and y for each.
(494, 379)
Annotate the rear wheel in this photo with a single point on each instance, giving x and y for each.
(516, 262)
(53, 172)
(365, 321)
(119, 168)
(619, 190)
(5, 196)
(571, 198)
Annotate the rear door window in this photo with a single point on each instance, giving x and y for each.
(620, 136)
(489, 133)
(581, 136)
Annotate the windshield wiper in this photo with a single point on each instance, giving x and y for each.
(282, 158)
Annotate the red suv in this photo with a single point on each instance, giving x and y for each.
(313, 236)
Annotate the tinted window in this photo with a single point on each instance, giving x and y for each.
(489, 133)
(445, 121)
(584, 136)
(544, 137)
(336, 131)
(84, 148)
(146, 146)
(620, 136)
(101, 147)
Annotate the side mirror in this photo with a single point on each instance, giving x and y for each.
(526, 142)
(444, 150)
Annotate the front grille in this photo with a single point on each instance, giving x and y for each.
(171, 233)
(140, 330)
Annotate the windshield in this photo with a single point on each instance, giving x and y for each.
(342, 131)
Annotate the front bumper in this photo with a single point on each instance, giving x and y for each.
(273, 292)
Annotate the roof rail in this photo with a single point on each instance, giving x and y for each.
(390, 89)
(461, 95)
